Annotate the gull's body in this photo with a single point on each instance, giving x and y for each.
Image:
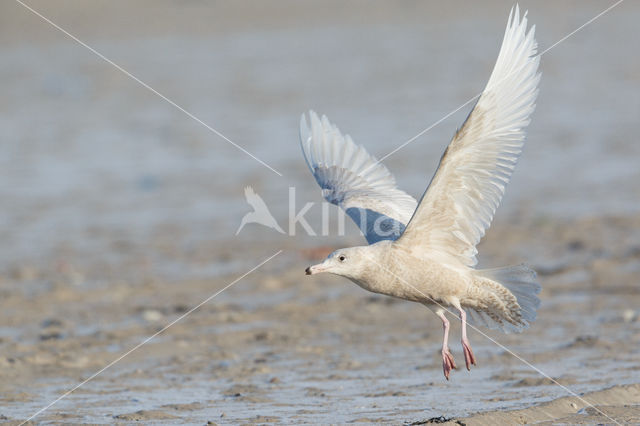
(426, 252)
(407, 277)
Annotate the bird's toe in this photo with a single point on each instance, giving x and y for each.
(448, 363)
(469, 358)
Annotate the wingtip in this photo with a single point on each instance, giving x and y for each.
(313, 115)
(511, 15)
(303, 118)
(305, 139)
(314, 120)
(304, 127)
(515, 18)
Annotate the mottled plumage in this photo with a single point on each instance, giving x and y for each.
(430, 258)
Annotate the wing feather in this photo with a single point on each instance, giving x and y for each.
(354, 180)
(460, 202)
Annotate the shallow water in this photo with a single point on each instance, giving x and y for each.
(111, 194)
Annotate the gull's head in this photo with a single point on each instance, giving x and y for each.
(347, 262)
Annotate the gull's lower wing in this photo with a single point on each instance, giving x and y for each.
(354, 180)
(459, 204)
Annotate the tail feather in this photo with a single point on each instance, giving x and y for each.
(500, 312)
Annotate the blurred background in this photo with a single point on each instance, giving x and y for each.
(91, 157)
(105, 185)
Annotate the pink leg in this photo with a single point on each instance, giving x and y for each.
(466, 346)
(447, 359)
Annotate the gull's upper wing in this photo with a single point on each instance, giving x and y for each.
(354, 180)
(463, 195)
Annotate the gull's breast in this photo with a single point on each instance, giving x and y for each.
(418, 280)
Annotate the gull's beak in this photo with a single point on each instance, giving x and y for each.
(315, 269)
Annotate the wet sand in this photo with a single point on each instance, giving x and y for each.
(119, 215)
(281, 346)
(619, 403)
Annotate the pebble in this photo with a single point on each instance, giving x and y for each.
(152, 315)
(629, 315)
(52, 335)
(23, 273)
(51, 322)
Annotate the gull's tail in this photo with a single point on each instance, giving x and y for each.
(505, 298)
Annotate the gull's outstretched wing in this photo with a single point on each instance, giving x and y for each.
(459, 204)
(354, 180)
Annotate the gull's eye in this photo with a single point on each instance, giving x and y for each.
(342, 258)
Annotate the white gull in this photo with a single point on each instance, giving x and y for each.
(426, 252)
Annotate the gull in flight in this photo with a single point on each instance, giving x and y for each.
(425, 251)
(260, 213)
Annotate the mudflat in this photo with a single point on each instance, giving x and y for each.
(119, 214)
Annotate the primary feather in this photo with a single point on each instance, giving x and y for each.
(459, 204)
(354, 180)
